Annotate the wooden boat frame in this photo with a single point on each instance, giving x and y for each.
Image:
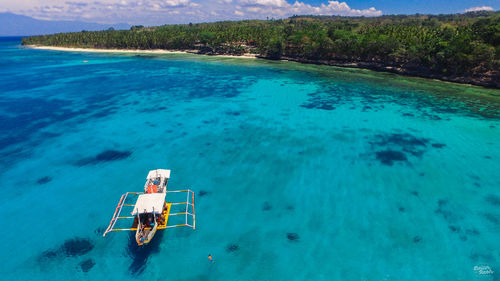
(166, 212)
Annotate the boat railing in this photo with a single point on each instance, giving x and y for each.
(186, 213)
(118, 210)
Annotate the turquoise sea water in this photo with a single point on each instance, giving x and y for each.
(302, 172)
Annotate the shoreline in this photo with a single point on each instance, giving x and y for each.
(137, 51)
(486, 82)
(490, 83)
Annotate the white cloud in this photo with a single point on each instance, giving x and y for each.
(281, 8)
(481, 8)
(157, 12)
(175, 3)
(264, 3)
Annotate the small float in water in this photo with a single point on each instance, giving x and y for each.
(151, 210)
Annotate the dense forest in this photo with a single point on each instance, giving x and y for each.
(458, 47)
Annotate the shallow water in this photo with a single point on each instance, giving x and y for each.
(302, 172)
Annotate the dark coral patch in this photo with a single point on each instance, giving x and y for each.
(266, 206)
(202, 193)
(233, 113)
(442, 202)
(474, 177)
(493, 199)
(401, 209)
(443, 210)
(438, 145)
(414, 193)
(105, 156)
(292, 236)
(319, 102)
(492, 218)
(70, 248)
(77, 247)
(112, 155)
(232, 248)
(481, 256)
(404, 140)
(417, 239)
(472, 231)
(397, 146)
(290, 207)
(388, 157)
(87, 265)
(44, 180)
(49, 254)
(454, 228)
(326, 107)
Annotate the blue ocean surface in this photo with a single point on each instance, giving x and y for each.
(301, 172)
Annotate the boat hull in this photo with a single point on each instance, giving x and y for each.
(145, 236)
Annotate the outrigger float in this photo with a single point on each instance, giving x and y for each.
(151, 210)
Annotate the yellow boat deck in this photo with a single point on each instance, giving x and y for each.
(163, 225)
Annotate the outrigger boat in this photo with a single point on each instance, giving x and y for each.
(151, 210)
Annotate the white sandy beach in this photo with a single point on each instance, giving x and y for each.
(156, 51)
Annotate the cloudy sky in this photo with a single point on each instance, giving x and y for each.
(155, 12)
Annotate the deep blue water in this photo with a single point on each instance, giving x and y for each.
(302, 172)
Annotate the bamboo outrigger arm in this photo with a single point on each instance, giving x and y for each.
(118, 210)
(166, 212)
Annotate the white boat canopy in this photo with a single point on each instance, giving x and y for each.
(147, 203)
(159, 173)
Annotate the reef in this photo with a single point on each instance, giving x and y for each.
(44, 180)
(76, 247)
(87, 265)
(70, 248)
(202, 193)
(388, 157)
(438, 145)
(398, 147)
(105, 156)
(232, 248)
(292, 236)
(266, 206)
(493, 199)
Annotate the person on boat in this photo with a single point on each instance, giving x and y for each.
(150, 221)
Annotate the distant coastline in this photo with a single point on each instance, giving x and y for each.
(361, 65)
(461, 48)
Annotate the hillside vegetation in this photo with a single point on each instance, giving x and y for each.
(459, 47)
